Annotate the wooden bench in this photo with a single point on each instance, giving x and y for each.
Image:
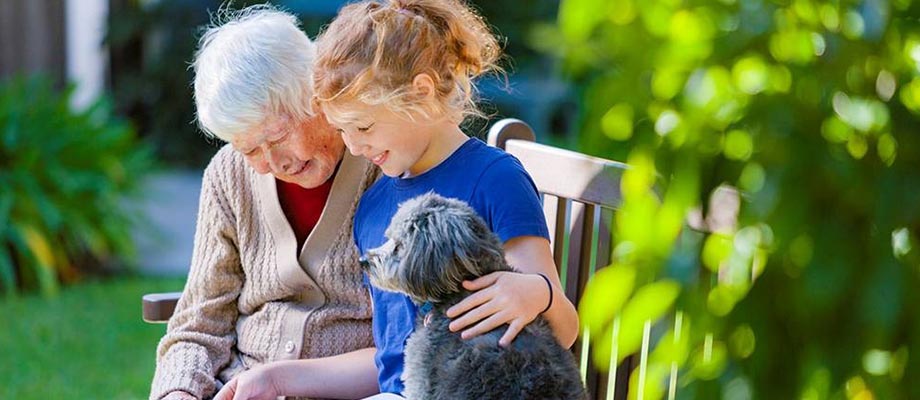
(580, 195)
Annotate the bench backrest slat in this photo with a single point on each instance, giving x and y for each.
(581, 193)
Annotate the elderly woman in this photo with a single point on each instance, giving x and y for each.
(274, 274)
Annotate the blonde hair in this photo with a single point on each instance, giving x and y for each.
(252, 64)
(374, 49)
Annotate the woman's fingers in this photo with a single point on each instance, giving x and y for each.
(227, 392)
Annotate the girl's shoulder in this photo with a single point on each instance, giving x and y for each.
(496, 162)
(475, 148)
(475, 154)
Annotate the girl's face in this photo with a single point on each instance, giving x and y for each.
(395, 144)
(305, 153)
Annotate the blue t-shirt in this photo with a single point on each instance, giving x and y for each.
(494, 184)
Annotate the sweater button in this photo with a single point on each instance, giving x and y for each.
(289, 346)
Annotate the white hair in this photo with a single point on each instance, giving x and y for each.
(252, 64)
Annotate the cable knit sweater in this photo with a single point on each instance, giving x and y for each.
(251, 297)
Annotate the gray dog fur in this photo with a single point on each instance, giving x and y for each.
(433, 245)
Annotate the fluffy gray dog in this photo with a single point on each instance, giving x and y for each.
(433, 245)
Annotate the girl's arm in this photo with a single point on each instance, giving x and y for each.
(346, 376)
(517, 299)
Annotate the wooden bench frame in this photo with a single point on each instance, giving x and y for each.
(580, 195)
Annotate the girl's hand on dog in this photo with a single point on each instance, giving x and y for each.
(499, 298)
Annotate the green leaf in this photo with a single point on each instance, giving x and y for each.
(605, 295)
(578, 18)
(716, 250)
(649, 385)
(43, 257)
(674, 345)
(617, 123)
(709, 360)
(648, 305)
(7, 273)
(6, 201)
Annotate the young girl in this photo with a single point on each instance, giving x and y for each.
(395, 77)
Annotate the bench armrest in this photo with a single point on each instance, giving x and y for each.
(158, 307)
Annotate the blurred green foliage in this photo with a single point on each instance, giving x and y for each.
(65, 176)
(811, 109)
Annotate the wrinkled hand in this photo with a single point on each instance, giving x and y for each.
(255, 384)
(179, 395)
(499, 298)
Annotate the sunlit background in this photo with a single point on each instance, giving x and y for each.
(767, 243)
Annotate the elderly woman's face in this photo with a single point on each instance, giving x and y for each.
(305, 153)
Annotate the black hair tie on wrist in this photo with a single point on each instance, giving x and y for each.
(550, 287)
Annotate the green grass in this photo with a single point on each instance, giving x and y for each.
(89, 342)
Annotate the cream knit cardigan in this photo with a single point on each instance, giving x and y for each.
(251, 297)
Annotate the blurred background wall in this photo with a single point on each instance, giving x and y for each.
(61, 39)
(32, 37)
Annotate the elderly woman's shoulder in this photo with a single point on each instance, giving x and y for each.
(227, 161)
(227, 154)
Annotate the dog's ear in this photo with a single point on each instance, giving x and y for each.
(476, 247)
(445, 243)
(423, 262)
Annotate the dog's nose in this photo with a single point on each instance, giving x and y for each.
(364, 263)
